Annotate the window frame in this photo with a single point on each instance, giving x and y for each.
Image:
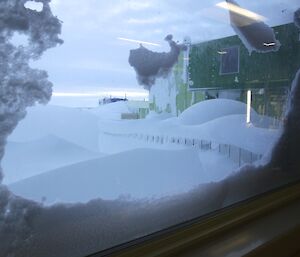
(203, 231)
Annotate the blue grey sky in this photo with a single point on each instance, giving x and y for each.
(93, 59)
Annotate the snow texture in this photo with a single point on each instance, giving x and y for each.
(136, 174)
(111, 111)
(74, 125)
(84, 228)
(254, 33)
(211, 109)
(41, 155)
(150, 65)
(221, 121)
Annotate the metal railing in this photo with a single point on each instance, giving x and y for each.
(234, 153)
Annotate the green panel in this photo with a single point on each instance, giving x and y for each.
(183, 97)
(152, 105)
(199, 96)
(256, 70)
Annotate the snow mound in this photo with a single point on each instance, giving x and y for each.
(211, 109)
(158, 116)
(233, 130)
(111, 111)
(44, 154)
(142, 173)
(71, 124)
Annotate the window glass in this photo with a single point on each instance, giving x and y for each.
(229, 60)
(119, 119)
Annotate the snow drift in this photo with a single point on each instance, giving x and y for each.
(220, 121)
(27, 228)
(111, 111)
(74, 125)
(37, 156)
(137, 174)
(211, 109)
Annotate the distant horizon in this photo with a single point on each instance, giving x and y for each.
(91, 99)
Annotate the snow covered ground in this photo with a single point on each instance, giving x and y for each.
(98, 178)
(76, 155)
(220, 121)
(71, 124)
(41, 155)
(136, 174)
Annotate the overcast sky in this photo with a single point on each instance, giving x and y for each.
(92, 59)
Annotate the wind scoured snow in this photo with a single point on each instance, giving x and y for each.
(29, 229)
(137, 174)
(211, 109)
(111, 111)
(101, 224)
(74, 125)
(158, 116)
(37, 156)
(220, 121)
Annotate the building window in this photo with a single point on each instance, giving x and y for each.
(230, 59)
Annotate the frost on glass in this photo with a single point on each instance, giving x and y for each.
(85, 180)
(255, 34)
(20, 87)
(149, 65)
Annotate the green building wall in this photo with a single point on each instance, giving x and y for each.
(268, 75)
(273, 69)
(271, 72)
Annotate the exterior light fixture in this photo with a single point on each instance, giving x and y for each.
(248, 118)
(138, 41)
(270, 44)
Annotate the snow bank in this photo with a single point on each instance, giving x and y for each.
(233, 130)
(111, 111)
(137, 174)
(38, 156)
(211, 109)
(83, 229)
(74, 125)
(227, 129)
(158, 116)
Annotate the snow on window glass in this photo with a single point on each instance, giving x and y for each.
(113, 113)
(35, 6)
